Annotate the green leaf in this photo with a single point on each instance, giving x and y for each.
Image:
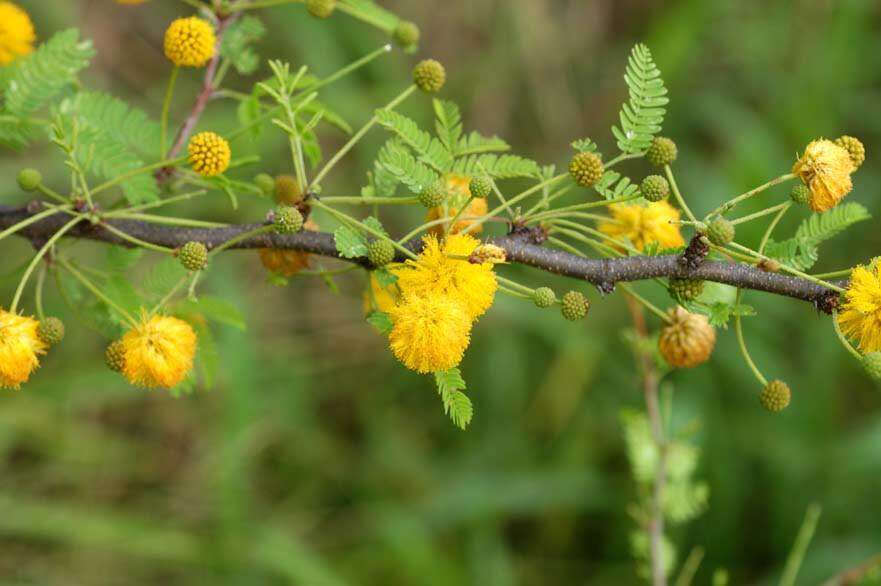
(584, 145)
(396, 160)
(498, 166)
(802, 251)
(208, 357)
(350, 242)
(16, 134)
(236, 44)
(381, 321)
(613, 185)
(385, 278)
(121, 291)
(475, 144)
(448, 123)
(643, 114)
(163, 276)
(428, 150)
(120, 258)
(374, 223)
(128, 126)
(41, 76)
(248, 114)
(215, 309)
(457, 405)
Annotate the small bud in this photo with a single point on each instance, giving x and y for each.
(720, 232)
(855, 149)
(29, 179)
(654, 188)
(265, 182)
(775, 396)
(800, 194)
(488, 253)
(872, 365)
(287, 220)
(287, 190)
(429, 76)
(688, 340)
(685, 289)
(769, 265)
(114, 356)
(51, 330)
(434, 195)
(406, 34)
(575, 306)
(481, 186)
(586, 169)
(661, 152)
(544, 297)
(380, 253)
(320, 8)
(193, 256)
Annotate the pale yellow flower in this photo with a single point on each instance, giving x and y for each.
(644, 224)
(825, 168)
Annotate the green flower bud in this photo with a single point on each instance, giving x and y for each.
(481, 186)
(51, 330)
(661, 152)
(685, 289)
(320, 8)
(406, 34)
(434, 195)
(29, 179)
(265, 182)
(193, 256)
(114, 356)
(854, 147)
(720, 232)
(575, 306)
(775, 396)
(380, 253)
(586, 169)
(288, 220)
(429, 76)
(800, 194)
(544, 297)
(654, 188)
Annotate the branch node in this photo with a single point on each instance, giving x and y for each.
(695, 253)
(828, 301)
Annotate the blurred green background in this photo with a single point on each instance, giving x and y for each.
(317, 459)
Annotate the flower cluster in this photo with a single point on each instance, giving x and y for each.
(20, 348)
(209, 154)
(158, 352)
(825, 168)
(190, 42)
(441, 295)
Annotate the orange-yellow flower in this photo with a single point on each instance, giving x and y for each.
(158, 352)
(644, 224)
(860, 316)
(20, 346)
(430, 333)
(825, 168)
(190, 42)
(459, 192)
(17, 34)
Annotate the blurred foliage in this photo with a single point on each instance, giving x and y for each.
(317, 460)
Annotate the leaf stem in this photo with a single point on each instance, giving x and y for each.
(729, 205)
(96, 291)
(166, 106)
(37, 258)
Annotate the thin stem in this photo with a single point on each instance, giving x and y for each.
(645, 302)
(513, 293)
(170, 294)
(241, 237)
(135, 172)
(674, 187)
(97, 291)
(514, 285)
(800, 547)
(788, 269)
(516, 199)
(767, 236)
(834, 274)
(762, 213)
(841, 338)
(168, 221)
(359, 135)
(136, 241)
(358, 200)
(37, 258)
(458, 214)
(45, 190)
(157, 204)
(581, 206)
(623, 157)
(419, 229)
(350, 220)
(729, 205)
(166, 107)
(256, 4)
(738, 330)
(38, 292)
(690, 567)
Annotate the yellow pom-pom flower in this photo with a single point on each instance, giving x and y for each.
(430, 333)
(644, 224)
(459, 192)
(190, 42)
(16, 33)
(825, 168)
(860, 315)
(158, 352)
(209, 154)
(20, 346)
(444, 269)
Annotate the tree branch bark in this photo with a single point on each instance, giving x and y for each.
(521, 247)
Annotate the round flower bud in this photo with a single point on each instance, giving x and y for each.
(586, 169)
(769, 265)
(406, 34)
(320, 8)
(800, 194)
(429, 76)
(685, 289)
(654, 188)
(575, 306)
(51, 330)
(872, 365)
(434, 194)
(688, 340)
(380, 253)
(775, 396)
(265, 182)
(209, 154)
(114, 356)
(544, 297)
(193, 256)
(854, 148)
(481, 186)
(288, 220)
(287, 190)
(661, 152)
(720, 232)
(29, 179)
(190, 42)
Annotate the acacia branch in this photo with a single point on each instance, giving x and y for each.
(521, 248)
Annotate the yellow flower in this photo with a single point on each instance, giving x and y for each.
(436, 274)
(158, 352)
(825, 168)
(209, 154)
(430, 333)
(190, 42)
(459, 190)
(380, 298)
(644, 224)
(860, 316)
(20, 345)
(16, 33)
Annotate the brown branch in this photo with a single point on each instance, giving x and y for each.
(521, 247)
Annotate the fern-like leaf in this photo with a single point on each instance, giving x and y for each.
(236, 44)
(396, 160)
(613, 185)
(802, 250)
(127, 125)
(643, 114)
(448, 123)
(428, 149)
(41, 76)
(457, 405)
(475, 144)
(498, 166)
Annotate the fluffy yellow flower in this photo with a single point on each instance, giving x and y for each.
(436, 274)
(20, 344)
(209, 154)
(459, 192)
(16, 33)
(190, 42)
(158, 352)
(825, 168)
(644, 224)
(860, 316)
(430, 333)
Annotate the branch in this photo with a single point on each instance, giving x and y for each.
(521, 247)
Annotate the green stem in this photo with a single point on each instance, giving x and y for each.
(166, 107)
(357, 200)
(674, 187)
(364, 17)
(135, 172)
(728, 205)
(800, 547)
(833, 274)
(622, 157)
(844, 341)
(137, 241)
(761, 214)
(157, 204)
(513, 293)
(53, 194)
(516, 199)
(645, 302)
(514, 285)
(256, 4)
(738, 330)
(168, 221)
(350, 220)
(767, 236)
(241, 237)
(37, 258)
(38, 293)
(97, 292)
(578, 207)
